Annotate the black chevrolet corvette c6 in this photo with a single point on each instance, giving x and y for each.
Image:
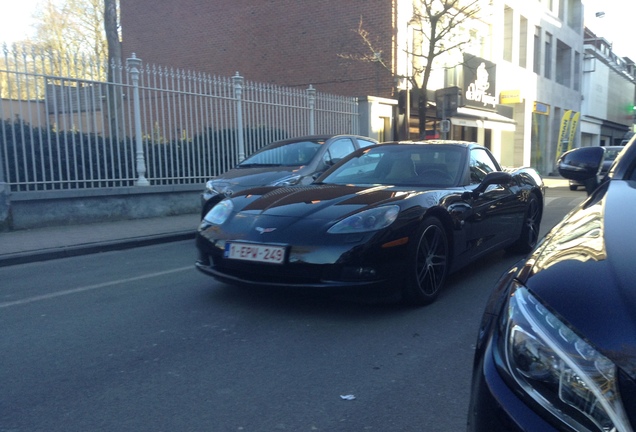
(396, 216)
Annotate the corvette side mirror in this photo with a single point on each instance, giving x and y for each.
(495, 177)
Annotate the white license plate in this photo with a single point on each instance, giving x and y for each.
(255, 252)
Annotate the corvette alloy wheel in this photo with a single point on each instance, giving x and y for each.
(429, 263)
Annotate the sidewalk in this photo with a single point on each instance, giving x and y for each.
(23, 246)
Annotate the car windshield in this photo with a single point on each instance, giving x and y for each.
(401, 165)
(296, 153)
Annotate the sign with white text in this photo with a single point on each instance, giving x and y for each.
(480, 77)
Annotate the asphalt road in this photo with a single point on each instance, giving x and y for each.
(137, 340)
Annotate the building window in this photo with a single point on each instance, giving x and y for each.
(537, 51)
(508, 26)
(523, 42)
(547, 57)
(563, 71)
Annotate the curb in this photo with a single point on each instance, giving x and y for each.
(92, 248)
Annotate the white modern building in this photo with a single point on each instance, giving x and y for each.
(536, 49)
(608, 93)
(534, 83)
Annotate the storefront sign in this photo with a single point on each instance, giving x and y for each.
(569, 122)
(574, 122)
(510, 97)
(541, 108)
(479, 82)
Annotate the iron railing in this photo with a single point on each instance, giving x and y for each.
(65, 126)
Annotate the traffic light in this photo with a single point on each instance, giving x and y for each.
(447, 100)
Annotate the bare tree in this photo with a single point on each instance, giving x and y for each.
(72, 28)
(438, 28)
(111, 29)
(69, 40)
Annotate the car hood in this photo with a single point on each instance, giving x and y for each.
(584, 271)
(325, 202)
(258, 176)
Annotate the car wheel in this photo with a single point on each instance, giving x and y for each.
(428, 266)
(573, 187)
(530, 229)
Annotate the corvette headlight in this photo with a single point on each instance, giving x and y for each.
(367, 220)
(558, 369)
(287, 181)
(219, 212)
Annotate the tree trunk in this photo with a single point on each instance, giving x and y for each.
(114, 100)
(422, 103)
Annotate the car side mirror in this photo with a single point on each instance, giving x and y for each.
(582, 165)
(495, 177)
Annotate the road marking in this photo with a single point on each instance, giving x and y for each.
(564, 200)
(90, 288)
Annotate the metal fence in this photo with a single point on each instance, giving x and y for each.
(65, 126)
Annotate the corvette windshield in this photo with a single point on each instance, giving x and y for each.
(401, 165)
(291, 154)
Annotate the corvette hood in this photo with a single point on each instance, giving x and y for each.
(326, 202)
(584, 270)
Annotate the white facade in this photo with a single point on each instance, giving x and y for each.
(537, 49)
(609, 86)
(553, 91)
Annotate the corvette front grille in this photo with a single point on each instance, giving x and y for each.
(270, 273)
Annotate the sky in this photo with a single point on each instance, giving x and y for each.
(16, 20)
(615, 26)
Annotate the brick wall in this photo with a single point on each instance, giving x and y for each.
(284, 42)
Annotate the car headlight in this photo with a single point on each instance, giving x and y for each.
(219, 212)
(367, 220)
(558, 369)
(287, 181)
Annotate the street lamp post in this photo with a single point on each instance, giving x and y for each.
(134, 64)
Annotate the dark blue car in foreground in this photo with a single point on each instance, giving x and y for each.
(556, 348)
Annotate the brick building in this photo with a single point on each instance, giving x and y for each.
(283, 42)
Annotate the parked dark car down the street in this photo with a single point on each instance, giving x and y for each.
(394, 218)
(556, 349)
(608, 159)
(295, 161)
